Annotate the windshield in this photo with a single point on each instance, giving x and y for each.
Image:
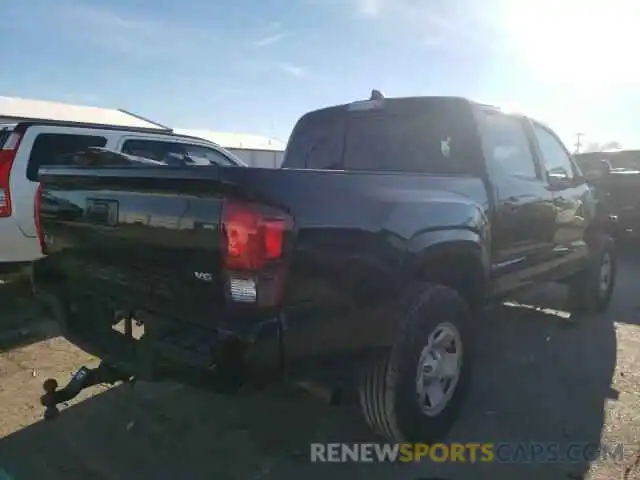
(428, 137)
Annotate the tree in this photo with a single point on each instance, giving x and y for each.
(614, 145)
(601, 147)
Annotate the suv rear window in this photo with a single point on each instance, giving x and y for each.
(427, 136)
(57, 149)
(102, 157)
(175, 153)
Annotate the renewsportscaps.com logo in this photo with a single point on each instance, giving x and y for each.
(499, 452)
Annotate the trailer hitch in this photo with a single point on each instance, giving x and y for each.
(85, 377)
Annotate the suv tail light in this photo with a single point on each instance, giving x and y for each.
(36, 215)
(255, 246)
(8, 153)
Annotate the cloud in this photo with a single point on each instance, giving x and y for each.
(293, 70)
(270, 39)
(124, 33)
(433, 41)
(439, 23)
(369, 8)
(600, 40)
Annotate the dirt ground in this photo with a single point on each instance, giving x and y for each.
(537, 378)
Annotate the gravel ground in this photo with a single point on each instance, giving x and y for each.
(538, 378)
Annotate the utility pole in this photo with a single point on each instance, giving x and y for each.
(578, 143)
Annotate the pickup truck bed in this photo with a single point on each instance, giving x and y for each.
(133, 237)
(344, 279)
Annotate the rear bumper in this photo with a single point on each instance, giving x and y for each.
(15, 246)
(174, 350)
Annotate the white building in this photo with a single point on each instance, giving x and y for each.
(254, 150)
(20, 109)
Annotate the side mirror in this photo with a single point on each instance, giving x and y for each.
(559, 179)
(558, 176)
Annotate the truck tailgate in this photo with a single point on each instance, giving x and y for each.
(141, 239)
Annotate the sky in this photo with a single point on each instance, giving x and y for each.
(255, 66)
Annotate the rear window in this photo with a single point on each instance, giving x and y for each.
(58, 149)
(430, 136)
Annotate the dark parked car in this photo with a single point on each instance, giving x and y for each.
(615, 177)
(360, 266)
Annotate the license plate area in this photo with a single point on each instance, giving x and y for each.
(171, 339)
(129, 328)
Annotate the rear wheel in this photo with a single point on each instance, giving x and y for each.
(591, 289)
(415, 392)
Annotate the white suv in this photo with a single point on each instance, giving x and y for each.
(26, 146)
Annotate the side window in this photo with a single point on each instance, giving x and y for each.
(555, 157)
(54, 148)
(168, 152)
(506, 147)
(202, 155)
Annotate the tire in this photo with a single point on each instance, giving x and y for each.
(389, 392)
(588, 293)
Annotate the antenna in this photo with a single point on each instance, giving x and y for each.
(140, 117)
(376, 95)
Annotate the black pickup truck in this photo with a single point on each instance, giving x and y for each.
(359, 269)
(615, 180)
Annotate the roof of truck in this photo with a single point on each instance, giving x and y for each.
(400, 100)
(378, 98)
(609, 152)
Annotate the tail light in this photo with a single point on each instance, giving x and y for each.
(255, 245)
(36, 215)
(8, 153)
